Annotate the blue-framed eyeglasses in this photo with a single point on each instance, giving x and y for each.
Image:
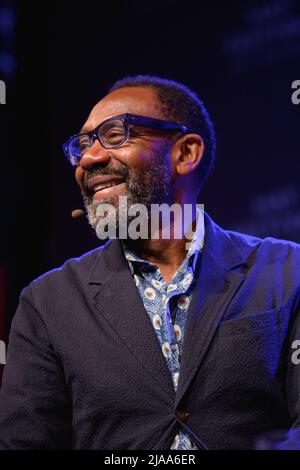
(114, 132)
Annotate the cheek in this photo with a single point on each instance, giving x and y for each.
(79, 174)
(135, 158)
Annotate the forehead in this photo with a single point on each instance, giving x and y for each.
(134, 100)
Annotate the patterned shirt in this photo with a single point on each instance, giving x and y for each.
(167, 307)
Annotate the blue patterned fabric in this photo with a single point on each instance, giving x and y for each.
(167, 307)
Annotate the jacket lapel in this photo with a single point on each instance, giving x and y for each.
(118, 301)
(217, 283)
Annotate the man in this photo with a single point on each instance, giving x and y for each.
(150, 343)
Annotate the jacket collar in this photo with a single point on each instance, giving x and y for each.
(117, 299)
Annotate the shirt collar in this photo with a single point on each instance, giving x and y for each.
(195, 246)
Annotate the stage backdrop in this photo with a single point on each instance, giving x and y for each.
(241, 57)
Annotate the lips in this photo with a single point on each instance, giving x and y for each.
(99, 183)
(104, 186)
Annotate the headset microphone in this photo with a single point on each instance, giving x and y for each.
(76, 213)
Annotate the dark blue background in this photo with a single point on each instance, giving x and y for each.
(241, 57)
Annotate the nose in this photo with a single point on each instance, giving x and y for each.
(95, 155)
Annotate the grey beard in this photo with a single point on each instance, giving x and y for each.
(149, 186)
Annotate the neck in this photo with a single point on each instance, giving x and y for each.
(169, 253)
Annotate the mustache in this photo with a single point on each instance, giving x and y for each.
(121, 172)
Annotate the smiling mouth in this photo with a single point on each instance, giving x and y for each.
(107, 190)
(100, 187)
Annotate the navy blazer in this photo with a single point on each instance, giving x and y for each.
(85, 370)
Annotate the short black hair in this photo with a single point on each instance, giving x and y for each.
(183, 106)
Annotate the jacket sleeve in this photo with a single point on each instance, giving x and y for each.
(293, 381)
(35, 411)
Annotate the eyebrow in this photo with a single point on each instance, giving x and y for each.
(84, 130)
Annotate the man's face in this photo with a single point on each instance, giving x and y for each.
(139, 169)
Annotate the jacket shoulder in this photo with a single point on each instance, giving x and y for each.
(74, 269)
(268, 248)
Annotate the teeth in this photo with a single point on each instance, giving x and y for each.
(105, 185)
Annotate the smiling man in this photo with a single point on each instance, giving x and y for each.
(150, 343)
(137, 153)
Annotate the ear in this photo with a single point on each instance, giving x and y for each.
(186, 153)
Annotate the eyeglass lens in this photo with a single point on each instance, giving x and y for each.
(111, 134)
